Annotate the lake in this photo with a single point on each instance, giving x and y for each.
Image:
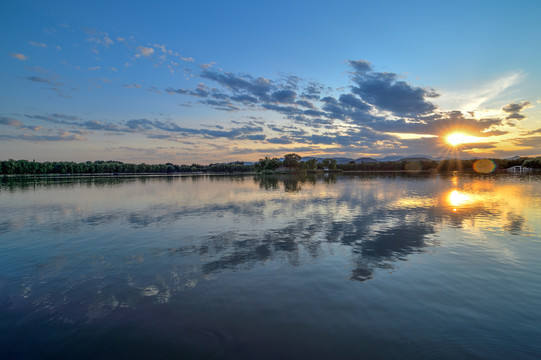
(370, 266)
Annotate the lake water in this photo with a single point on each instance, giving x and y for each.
(373, 266)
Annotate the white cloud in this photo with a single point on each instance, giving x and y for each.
(18, 56)
(37, 44)
(145, 51)
(471, 100)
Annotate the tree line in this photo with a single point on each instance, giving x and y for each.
(290, 163)
(12, 167)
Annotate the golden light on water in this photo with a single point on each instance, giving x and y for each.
(458, 198)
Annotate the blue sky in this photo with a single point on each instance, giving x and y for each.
(216, 81)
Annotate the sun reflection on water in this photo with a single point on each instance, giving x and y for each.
(458, 199)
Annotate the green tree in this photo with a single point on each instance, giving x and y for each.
(329, 164)
(311, 164)
(267, 164)
(292, 160)
(533, 163)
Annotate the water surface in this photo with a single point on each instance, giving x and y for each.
(371, 266)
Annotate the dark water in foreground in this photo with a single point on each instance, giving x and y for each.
(364, 267)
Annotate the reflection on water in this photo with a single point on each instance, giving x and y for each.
(88, 248)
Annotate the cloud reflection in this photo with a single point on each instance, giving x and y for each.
(180, 232)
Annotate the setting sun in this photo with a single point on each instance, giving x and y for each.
(459, 138)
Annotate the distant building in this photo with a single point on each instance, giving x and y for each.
(518, 169)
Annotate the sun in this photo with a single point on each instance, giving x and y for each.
(457, 138)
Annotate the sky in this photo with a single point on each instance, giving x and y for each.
(219, 81)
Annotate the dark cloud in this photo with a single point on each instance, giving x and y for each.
(305, 103)
(360, 66)
(515, 116)
(246, 99)
(386, 92)
(66, 117)
(514, 109)
(438, 124)
(347, 107)
(533, 131)
(10, 122)
(42, 80)
(57, 118)
(209, 133)
(313, 91)
(171, 91)
(255, 137)
(283, 96)
(139, 124)
(97, 125)
(280, 140)
(531, 142)
(259, 87)
(286, 110)
(220, 104)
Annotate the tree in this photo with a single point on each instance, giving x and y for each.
(533, 163)
(292, 160)
(267, 164)
(311, 164)
(329, 164)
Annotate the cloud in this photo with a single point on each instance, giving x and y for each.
(201, 91)
(145, 51)
(98, 37)
(57, 118)
(18, 56)
(471, 100)
(347, 106)
(38, 44)
(514, 110)
(258, 87)
(360, 66)
(40, 79)
(10, 122)
(377, 103)
(64, 136)
(139, 124)
(209, 133)
(533, 142)
(283, 96)
(207, 66)
(534, 131)
(97, 125)
(438, 124)
(132, 86)
(386, 92)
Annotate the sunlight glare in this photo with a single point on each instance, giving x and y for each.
(459, 138)
(458, 198)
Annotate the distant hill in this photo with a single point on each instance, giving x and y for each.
(344, 160)
(406, 158)
(339, 160)
(417, 158)
(365, 160)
